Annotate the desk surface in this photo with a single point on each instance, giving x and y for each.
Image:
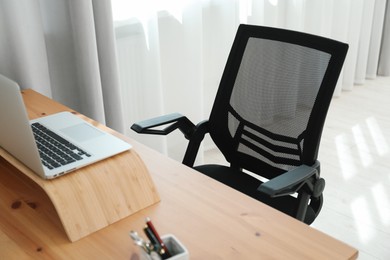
(213, 221)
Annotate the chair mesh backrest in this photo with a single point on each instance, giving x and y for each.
(277, 97)
(271, 101)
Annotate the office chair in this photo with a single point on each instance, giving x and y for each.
(268, 117)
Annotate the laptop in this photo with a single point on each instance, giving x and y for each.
(53, 145)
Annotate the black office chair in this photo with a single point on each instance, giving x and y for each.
(268, 117)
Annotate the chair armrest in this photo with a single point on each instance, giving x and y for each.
(289, 182)
(197, 137)
(174, 121)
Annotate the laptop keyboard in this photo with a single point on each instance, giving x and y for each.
(54, 150)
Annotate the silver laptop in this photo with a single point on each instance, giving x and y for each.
(53, 145)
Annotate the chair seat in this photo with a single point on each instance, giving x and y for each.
(248, 185)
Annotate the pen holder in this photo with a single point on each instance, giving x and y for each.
(174, 246)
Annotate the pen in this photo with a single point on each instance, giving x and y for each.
(157, 248)
(153, 231)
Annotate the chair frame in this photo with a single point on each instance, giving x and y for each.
(305, 179)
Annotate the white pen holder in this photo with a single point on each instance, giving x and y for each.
(174, 246)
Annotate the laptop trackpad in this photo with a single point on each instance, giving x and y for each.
(81, 132)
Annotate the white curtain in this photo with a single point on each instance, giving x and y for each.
(122, 61)
(64, 49)
(172, 53)
(384, 58)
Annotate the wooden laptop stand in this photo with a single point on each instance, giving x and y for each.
(93, 197)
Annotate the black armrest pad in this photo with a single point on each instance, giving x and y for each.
(156, 121)
(175, 120)
(288, 182)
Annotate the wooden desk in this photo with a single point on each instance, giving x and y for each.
(211, 220)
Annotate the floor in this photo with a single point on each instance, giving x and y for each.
(355, 162)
